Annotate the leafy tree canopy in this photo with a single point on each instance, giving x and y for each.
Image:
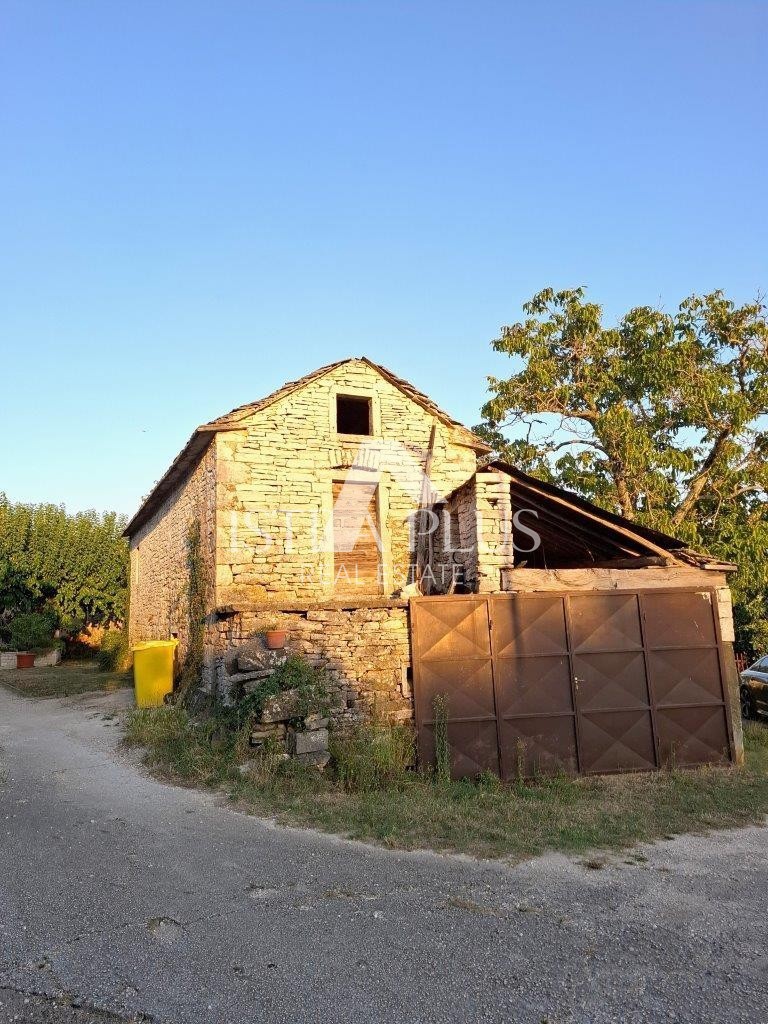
(661, 418)
(74, 564)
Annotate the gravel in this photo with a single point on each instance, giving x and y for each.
(122, 899)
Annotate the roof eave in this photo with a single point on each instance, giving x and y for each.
(167, 483)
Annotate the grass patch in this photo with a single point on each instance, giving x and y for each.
(198, 751)
(368, 793)
(64, 680)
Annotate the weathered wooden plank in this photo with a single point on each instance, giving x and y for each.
(356, 545)
(659, 577)
(638, 562)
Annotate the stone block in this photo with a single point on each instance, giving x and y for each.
(274, 732)
(281, 707)
(313, 722)
(308, 742)
(223, 575)
(47, 660)
(317, 758)
(250, 680)
(255, 657)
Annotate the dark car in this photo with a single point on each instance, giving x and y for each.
(754, 689)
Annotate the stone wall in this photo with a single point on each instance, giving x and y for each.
(262, 493)
(159, 569)
(365, 651)
(275, 477)
(473, 540)
(493, 508)
(453, 554)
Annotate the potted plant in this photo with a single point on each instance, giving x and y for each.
(274, 637)
(31, 633)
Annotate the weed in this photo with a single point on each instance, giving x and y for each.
(371, 793)
(756, 735)
(489, 781)
(373, 756)
(294, 673)
(195, 750)
(442, 746)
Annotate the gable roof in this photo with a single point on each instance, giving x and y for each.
(236, 416)
(233, 420)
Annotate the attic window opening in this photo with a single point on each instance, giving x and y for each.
(353, 415)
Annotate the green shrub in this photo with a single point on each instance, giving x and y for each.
(113, 654)
(33, 631)
(373, 756)
(294, 674)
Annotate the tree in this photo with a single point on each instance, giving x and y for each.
(76, 565)
(661, 418)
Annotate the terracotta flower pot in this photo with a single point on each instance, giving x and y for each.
(25, 660)
(275, 639)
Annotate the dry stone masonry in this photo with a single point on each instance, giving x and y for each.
(281, 495)
(365, 653)
(259, 483)
(274, 487)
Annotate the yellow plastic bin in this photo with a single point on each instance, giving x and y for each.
(153, 671)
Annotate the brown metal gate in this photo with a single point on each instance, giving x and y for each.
(586, 682)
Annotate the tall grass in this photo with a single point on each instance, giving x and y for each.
(371, 792)
(442, 746)
(373, 756)
(195, 750)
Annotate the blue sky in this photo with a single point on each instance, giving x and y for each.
(203, 200)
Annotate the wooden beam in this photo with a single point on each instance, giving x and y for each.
(424, 542)
(620, 531)
(666, 577)
(604, 538)
(640, 562)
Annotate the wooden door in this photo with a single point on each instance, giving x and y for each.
(356, 539)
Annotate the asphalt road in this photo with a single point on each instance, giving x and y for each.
(122, 898)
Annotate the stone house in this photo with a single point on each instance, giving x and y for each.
(331, 506)
(277, 487)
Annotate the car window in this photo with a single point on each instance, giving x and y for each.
(761, 665)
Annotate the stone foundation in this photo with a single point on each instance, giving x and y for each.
(364, 651)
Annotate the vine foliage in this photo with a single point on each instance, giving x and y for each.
(196, 609)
